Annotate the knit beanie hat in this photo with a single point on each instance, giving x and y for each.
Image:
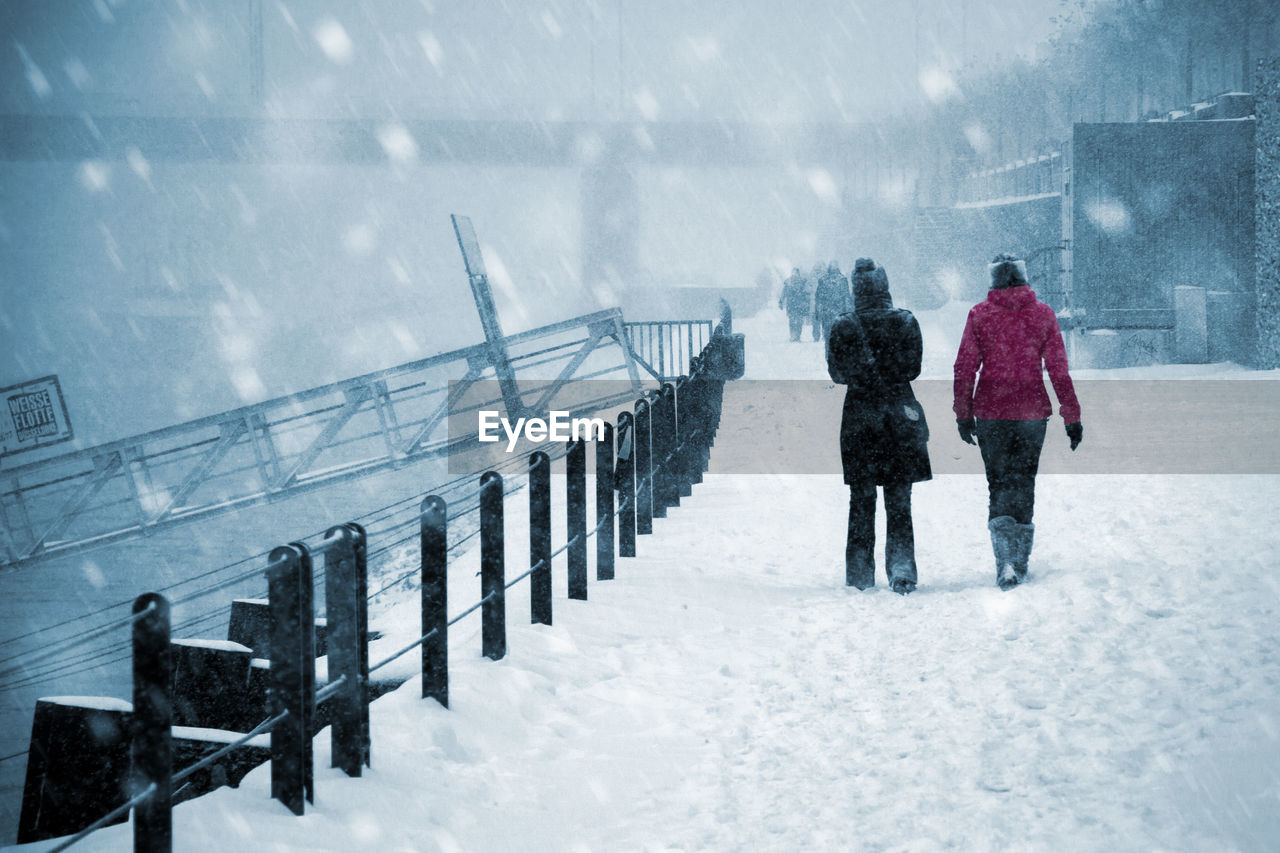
(1007, 271)
(863, 265)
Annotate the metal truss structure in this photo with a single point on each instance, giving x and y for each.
(280, 447)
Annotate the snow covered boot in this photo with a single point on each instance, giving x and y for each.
(901, 570)
(1023, 536)
(1002, 543)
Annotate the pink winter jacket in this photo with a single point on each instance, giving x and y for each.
(1009, 336)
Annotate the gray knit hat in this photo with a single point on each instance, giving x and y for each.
(1007, 271)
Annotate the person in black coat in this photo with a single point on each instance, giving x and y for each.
(876, 351)
(795, 301)
(831, 299)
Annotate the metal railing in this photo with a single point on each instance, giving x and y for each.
(665, 348)
(653, 456)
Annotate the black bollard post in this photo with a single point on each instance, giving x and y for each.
(291, 735)
(671, 454)
(307, 587)
(625, 480)
(493, 613)
(433, 520)
(343, 636)
(696, 393)
(604, 505)
(717, 404)
(575, 472)
(704, 426)
(660, 447)
(152, 748)
(684, 430)
(644, 469)
(540, 538)
(360, 548)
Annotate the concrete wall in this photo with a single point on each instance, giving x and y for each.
(1157, 206)
(1267, 211)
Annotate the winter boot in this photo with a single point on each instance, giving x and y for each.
(1002, 543)
(1023, 535)
(859, 568)
(901, 571)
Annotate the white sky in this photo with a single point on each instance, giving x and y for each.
(820, 59)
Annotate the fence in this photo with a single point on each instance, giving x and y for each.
(665, 348)
(652, 457)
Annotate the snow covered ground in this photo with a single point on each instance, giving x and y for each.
(727, 692)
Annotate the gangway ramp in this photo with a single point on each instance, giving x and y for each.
(288, 445)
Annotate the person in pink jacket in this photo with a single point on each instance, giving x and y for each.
(1009, 340)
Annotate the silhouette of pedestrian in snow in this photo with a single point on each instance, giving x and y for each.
(812, 281)
(831, 299)
(876, 352)
(1012, 337)
(795, 301)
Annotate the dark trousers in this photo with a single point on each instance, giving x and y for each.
(900, 540)
(827, 321)
(1011, 455)
(797, 325)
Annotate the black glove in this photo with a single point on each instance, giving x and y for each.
(966, 426)
(1075, 432)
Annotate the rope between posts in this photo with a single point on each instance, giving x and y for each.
(264, 726)
(472, 609)
(473, 534)
(601, 523)
(404, 651)
(89, 662)
(84, 661)
(104, 820)
(373, 516)
(60, 648)
(556, 553)
(73, 642)
(330, 689)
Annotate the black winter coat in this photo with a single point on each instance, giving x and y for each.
(883, 434)
(795, 297)
(832, 296)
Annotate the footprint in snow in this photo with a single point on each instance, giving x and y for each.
(995, 771)
(1032, 701)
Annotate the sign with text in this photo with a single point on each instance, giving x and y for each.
(32, 415)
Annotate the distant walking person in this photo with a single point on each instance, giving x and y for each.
(1012, 337)
(813, 280)
(876, 351)
(795, 301)
(831, 299)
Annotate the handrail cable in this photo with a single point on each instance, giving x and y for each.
(264, 726)
(105, 819)
(600, 524)
(63, 646)
(72, 642)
